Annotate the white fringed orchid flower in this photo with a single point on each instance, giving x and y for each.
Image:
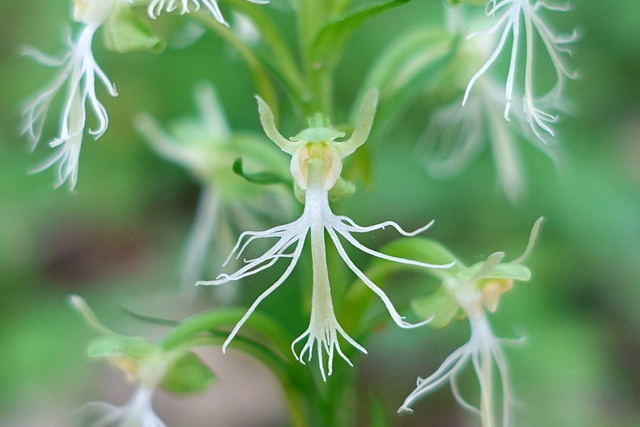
(206, 147)
(316, 163)
(156, 7)
(146, 369)
(455, 136)
(79, 72)
(147, 366)
(138, 412)
(474, 290)
(510, 16)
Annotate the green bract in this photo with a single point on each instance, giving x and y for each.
(177, 370)
(187, 374)
(317, 135)
(124, 31)
(440, 306)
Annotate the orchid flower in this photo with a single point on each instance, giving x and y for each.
(79, 72)
(316, 163)
(156, 7)
(206, 147)
(476, 289)
(456, 135)
(138, 412)
(145, 366)
(511, 14)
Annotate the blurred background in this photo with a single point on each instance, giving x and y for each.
(116, 238)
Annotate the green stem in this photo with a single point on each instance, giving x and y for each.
(261, 77)
(279, 57)
(313, 15)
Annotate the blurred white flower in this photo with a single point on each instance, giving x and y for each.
(510, 15)
(475, 290)
(78, 72)
(455, 136)
(138, 412)
(207, 148)
(483, 351)
(143, 364)
(316, 163)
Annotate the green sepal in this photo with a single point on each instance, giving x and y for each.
(263, 178)
(360, 165)
(491, 268)
(440, 306)
(108, 346)
(317, 134)
(188, 374)
(510, 271)
(124, 31)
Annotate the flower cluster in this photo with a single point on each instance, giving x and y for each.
(316, 163)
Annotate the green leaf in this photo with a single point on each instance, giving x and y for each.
(212, 320)
(263, 178)
(440, 305)
(188, 374)
(377, 417)
(407, 70)
(151, 319)
(124, 31)
(332, 38)
(484, 269)
(117, 345)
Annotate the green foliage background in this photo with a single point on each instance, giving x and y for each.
(115, 240)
